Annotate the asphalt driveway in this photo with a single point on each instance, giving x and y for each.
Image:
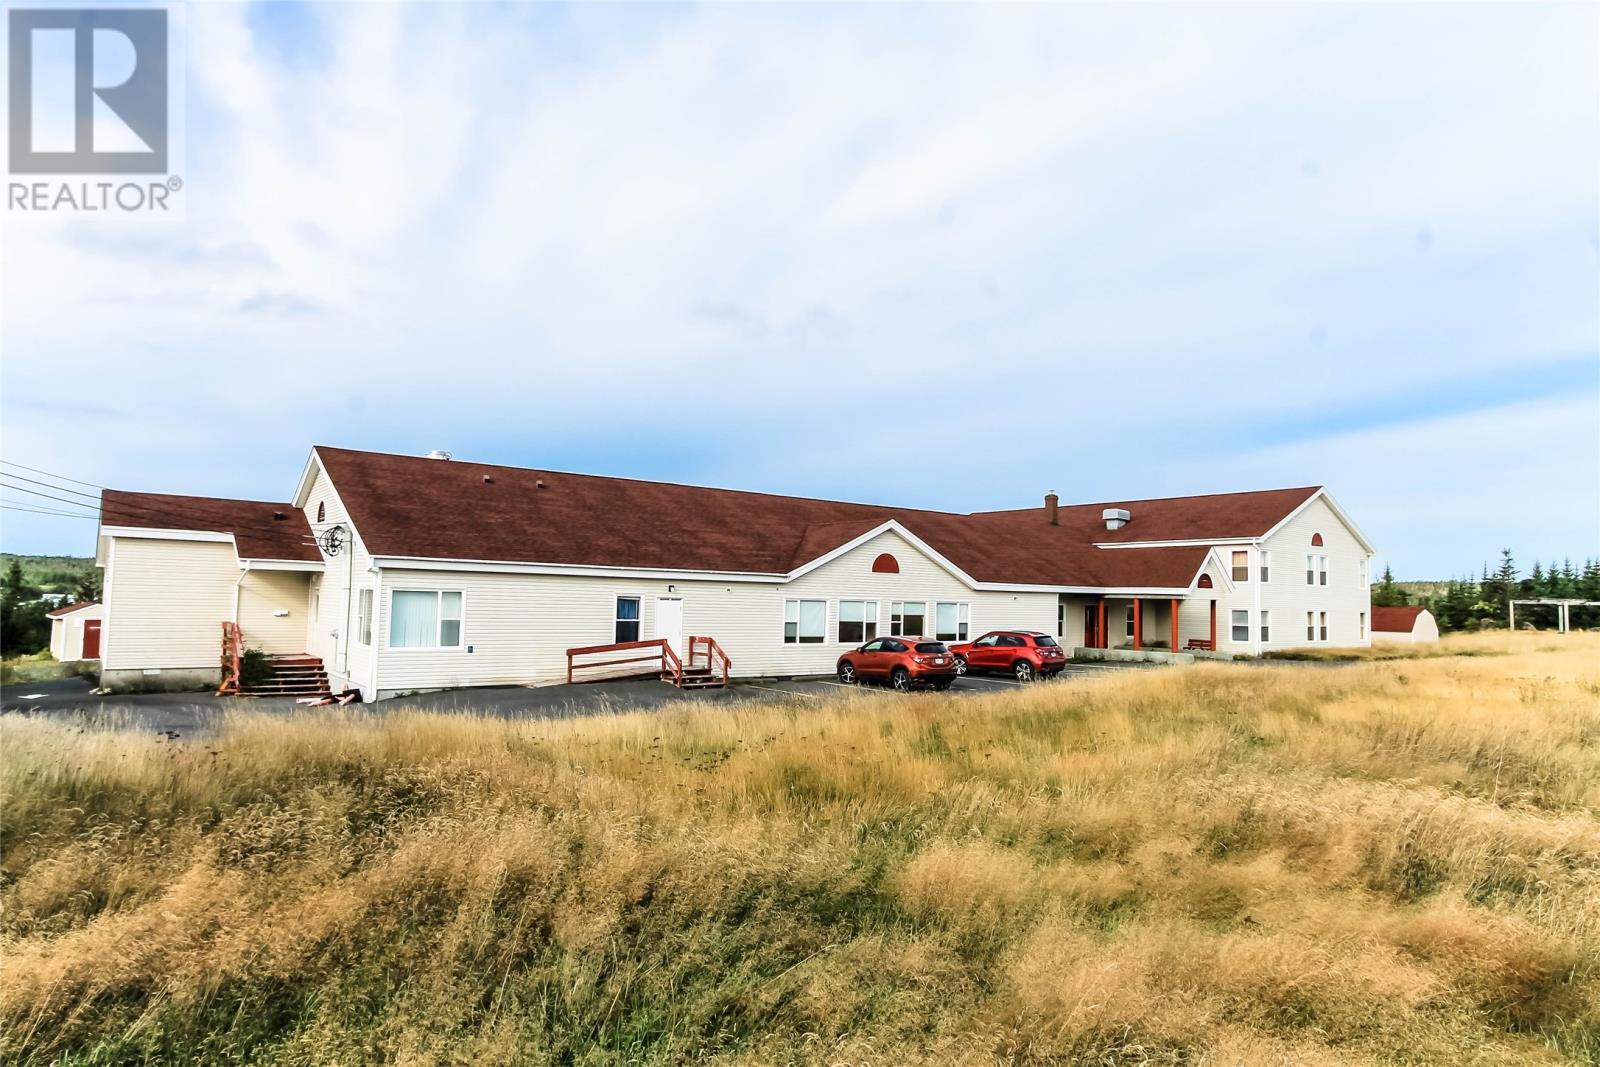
(187, 714)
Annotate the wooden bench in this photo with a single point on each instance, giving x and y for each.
(1199, 644)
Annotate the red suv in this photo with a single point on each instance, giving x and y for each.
(903, 662)
(1024, 654)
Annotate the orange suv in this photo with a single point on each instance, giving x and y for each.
(1023, 654)
(903, 662)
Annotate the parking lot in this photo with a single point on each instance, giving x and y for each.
(186, 714)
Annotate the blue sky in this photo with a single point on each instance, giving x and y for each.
(943, 256)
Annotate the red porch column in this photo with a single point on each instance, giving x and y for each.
(1174, 626)
(1213, 626)
(1100, 628)
(1138, 624)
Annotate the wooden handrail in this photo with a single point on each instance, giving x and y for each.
(662, 655)
(714, 655)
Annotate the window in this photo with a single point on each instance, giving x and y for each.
(934, 648)
(322, 511)
(891, 645)
(1045, 641)
(1361, 572)
(1011, 641)
(1241, 568)
(1363, 631)
(1316, 570)
(987, 641)
(1311, 626)
(627, 620)
(804, 621)
(908, 617)
(1322, 619)
(1061, 619)
(1322, 570)
(950, 621)
(1241, 626)
(1266, 566)
(858, 621)
(1266, 627)
(1130, 621)
(424, 618)
(364, 617)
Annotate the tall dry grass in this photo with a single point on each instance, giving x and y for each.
(1391, 862)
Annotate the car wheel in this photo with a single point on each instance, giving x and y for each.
(900, 679)
(1023, 670)
(961, 665)
(847, 673)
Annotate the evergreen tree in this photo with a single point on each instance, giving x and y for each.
(1386, 594)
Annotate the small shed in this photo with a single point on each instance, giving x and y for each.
(1411, 626)
(75, 631)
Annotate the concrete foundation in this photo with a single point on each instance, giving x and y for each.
(1128, 655)
(162, 680)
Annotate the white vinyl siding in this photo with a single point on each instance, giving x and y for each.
(522, 625)
(364, 617)
(166, 603)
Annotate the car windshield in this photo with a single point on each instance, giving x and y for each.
(1045, 641)
(932, 646)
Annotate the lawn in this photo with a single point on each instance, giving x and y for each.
(1383, 862)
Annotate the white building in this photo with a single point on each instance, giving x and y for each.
(1408, 626)
(407, 573)
(75, 632)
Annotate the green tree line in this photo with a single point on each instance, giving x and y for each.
(1481, 603)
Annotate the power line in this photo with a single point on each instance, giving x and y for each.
(50, 474)
(41, 511)
(168, 513)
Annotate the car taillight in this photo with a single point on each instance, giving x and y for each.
(918, 659)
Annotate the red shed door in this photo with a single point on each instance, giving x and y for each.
(91, 639)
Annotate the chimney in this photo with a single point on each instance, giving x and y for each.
(437, 453)
(1051, 502)
(1116, 518)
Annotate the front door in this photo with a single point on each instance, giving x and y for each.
(1091, 626)
(669, 622)
(91, 639)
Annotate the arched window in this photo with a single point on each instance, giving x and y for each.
(1316, 540)
(1204, 582)
(322, 511)
(885, 564)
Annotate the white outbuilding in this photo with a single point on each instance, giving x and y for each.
(1410, 626)
(75, 631)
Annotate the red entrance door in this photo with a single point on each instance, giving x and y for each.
(91, 639)
(1091, 627)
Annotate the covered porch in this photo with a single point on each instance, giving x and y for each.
(1152, 623)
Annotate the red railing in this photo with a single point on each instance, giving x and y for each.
(232, 659)
(716, 659)
(661, 654)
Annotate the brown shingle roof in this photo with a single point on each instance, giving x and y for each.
(1395, 620)
(68, 609)
(256, 529)
(433, 509)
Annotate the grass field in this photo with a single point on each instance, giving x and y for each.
(1385, 862)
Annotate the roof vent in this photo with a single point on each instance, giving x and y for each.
(438, 453)
(278, 516)
(1116, 518)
